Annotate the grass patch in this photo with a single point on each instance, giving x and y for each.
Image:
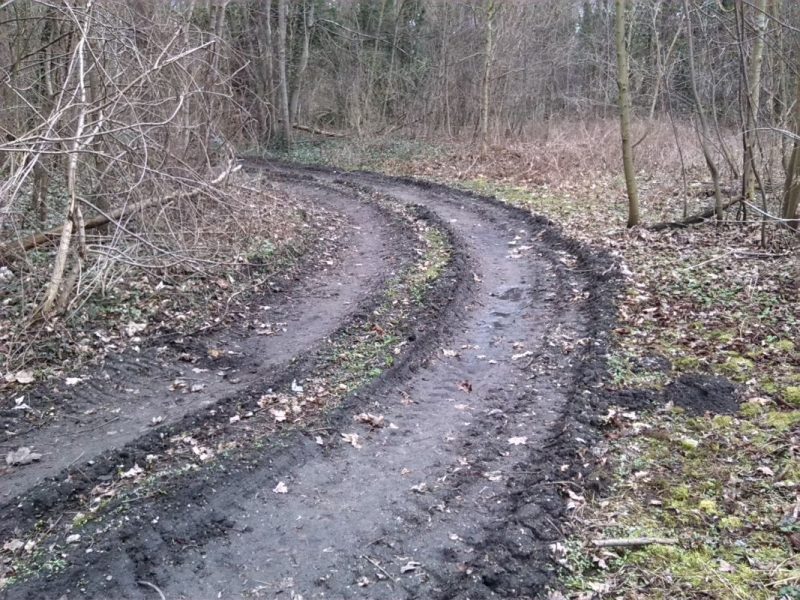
(723, 485)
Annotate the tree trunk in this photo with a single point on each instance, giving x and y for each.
(308, 23)
(701, 113)
(283, 87)
(752, 100)
(623, 83)
(491, 10)
(791, 188)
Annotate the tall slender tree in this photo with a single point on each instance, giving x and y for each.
(623, 83)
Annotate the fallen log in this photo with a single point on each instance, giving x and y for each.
(692, 219)
(13, 249)
(323, 132)
(633, 542)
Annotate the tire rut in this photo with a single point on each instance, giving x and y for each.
(133, 392)
(455, 496)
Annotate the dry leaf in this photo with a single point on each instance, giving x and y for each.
(281, 488)
(410, 566)
(352, 439)
(133, 328)
(133, 472)
(24, 377)
(13, 545)
(22, 456)
(369, 419)
(518, 441)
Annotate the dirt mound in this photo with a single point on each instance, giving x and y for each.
(699, 394)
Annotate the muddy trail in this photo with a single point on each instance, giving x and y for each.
(442, 474)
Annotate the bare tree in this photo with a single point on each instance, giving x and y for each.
(701, 113)
(283, 82)
(623, 82)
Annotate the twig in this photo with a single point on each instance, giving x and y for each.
(634, 542)
(377, 566)
(153, 587)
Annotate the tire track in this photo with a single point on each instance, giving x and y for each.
(135, 391)
(455, 497)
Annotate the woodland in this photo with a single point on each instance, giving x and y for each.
(168, 170)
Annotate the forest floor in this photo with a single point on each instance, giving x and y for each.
(439, 395)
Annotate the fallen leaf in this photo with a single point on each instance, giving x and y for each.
(296, 388)
(352, 439)
(449, 353)
(24, 377)
(279, 415)
(13, 545)
(70, 381)
(420, 488)
(133, 472)
(369, 419)
(133, 328)
(518, 441)
(22, 456)
(73, 538)
(281, 488)
(493, 475)
(410, 566)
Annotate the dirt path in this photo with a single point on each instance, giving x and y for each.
(455, 496)
(163, 383)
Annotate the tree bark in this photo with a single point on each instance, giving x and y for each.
(701, 113)
(283, 87)
(752, 99)
(623, 82)
(491, 10)
(308, 23)
(791, 188)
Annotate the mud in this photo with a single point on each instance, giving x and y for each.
(487, 417)
(696, 393)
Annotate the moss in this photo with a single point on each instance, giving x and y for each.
(751, 409)
(721, 422)
(680, 493)
(686, 363)
(737, 367)
(769, 387)
(791, 395)
(730, 523)
(699, 570)
(708, 506)
(722, 336)
(783, 421)
(784, 346)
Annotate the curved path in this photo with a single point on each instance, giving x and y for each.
(135, 391)
(455, 497)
